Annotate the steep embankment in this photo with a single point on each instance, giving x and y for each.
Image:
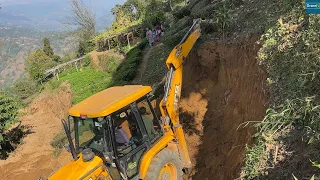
(34, 157)
(223, 87)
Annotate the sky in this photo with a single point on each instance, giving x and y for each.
(48, 14)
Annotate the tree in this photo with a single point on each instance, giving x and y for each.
(82, 18)
(47, 48)
(36, 64)
(81, 49)
(56, 58)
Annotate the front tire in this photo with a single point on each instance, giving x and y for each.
(166, 165)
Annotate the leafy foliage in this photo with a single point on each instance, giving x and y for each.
(127, 70)
(47, 48)
(36, 63)
(25, 87)
(252, 159)
(289, 51)
(8, 110)
(8, 114)
(56, 58)
(84, 47)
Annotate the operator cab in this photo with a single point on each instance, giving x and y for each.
(118, 125)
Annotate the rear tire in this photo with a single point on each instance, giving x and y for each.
(166, 165)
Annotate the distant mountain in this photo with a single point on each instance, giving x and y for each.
(10, 17)
(17, 42)
(47, 15)
(24, 23)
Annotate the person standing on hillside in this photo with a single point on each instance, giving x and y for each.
(154, 35)
(149, 36)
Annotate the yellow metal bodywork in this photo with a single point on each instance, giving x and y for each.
(115, 98)
(81, 170)
(170, 110)
(170, 107)
(109, 101)
(147, 158)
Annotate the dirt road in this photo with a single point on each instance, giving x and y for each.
(35, 156)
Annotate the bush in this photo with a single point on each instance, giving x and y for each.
(56, 58)
(25, 87)
(127, 70)
(8, 115)
(86, 61)
(252, 162)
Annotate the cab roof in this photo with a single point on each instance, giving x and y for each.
(109, 101)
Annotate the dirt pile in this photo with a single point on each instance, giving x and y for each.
(223, 87)
(34, 156)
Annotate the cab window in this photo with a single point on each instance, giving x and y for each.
(149, 119)
(128, 135)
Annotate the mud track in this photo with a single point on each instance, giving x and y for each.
(223, 87)
(34, 157)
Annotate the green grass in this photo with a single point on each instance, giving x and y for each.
(84, 83)
(252, 163)
(156, 66)
(290, 56)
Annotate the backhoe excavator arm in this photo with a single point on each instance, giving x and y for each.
(169, 104)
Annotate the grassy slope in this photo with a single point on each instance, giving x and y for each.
(86, 83)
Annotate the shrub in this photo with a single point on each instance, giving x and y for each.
(252, 161)
(127, 70)
(56, 58)
(25, 87)
(8, 111)
(86, 61)
(8, 115)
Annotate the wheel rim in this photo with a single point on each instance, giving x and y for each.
(168, 172)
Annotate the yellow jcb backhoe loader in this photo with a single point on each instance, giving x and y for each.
(116, 133)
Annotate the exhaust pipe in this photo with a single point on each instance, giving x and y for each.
(71, 145)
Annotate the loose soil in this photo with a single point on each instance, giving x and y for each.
(223, 87)
(34, 157)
